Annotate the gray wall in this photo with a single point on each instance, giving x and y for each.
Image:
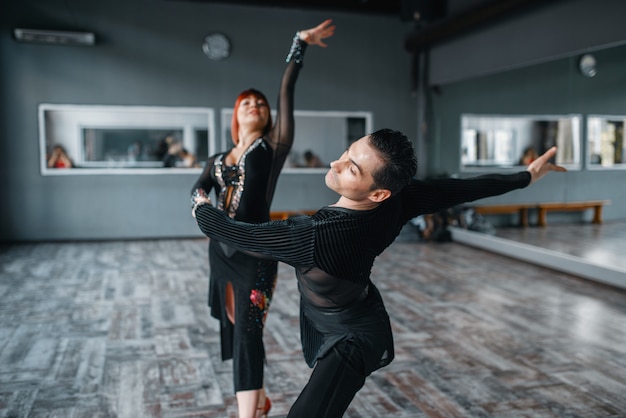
(149, 53)
(529, 65)
(555, 30)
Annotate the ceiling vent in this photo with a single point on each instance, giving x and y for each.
(54, 37)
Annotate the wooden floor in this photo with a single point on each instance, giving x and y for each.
(121, 329)
(601, 244)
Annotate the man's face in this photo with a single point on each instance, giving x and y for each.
(351, 174)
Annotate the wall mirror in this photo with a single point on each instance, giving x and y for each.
(321, 137)
(500, 141)
(85, 139)
(605, 141)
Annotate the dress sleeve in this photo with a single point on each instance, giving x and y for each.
(282, 134)
(205, 181)
(422, 197)
(290, 241)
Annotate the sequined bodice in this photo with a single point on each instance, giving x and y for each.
(233, 183)
(245, 190)
(231, 175)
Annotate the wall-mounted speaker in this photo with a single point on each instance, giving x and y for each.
(54, 37)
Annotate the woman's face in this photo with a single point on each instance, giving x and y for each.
(253, 112)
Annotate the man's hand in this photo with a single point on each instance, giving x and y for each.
(541, 166)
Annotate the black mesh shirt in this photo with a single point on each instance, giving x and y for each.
(333, 252)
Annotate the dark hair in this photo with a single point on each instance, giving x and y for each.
(234, 124)
(396, 149)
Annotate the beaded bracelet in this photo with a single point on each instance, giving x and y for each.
(296, 53)
(194, 205)
(197, 193)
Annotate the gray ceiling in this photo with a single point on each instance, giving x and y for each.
(435, 21)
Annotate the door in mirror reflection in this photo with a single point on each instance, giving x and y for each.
(605, 141)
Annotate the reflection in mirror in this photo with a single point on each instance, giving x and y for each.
(605, 141)
(320, 136)
(508, 141)
(123, 139)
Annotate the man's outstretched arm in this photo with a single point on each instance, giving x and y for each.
(290, 241)
(434, 195)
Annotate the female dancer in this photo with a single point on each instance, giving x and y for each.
(244, 179)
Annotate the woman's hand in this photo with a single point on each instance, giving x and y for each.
(541, 166)
(198, 198)
(315, 35)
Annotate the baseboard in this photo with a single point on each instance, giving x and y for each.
(576, 266)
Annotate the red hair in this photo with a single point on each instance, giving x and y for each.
(234, 124)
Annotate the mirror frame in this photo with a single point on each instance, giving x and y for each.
(515, 149)
(134, 120)
(226, 116)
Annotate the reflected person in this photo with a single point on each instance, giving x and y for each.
(528, 156)
(59, 158)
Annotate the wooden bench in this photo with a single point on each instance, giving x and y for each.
(521, 209)
(544, 208)
(285, 214)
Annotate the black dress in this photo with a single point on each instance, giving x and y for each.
(333, 252)
(244, 192)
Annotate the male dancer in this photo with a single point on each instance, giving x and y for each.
(345, 329)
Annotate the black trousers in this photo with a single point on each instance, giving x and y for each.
(335, 380)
